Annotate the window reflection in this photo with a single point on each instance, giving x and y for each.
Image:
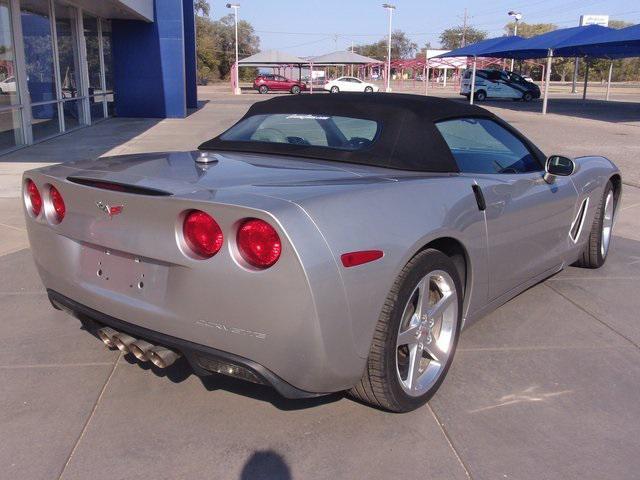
(106, 52)
(93, 53)
(44, 120)
(8, 84)
(38, 49)
(67, 50)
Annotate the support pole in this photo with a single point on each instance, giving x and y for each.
(609, 80)
(586, 81)
(311, 78)
(575, 76)
(444, 83)
(426, 80)
(472, 93)
(547, 78)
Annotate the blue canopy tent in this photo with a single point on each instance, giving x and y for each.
(611, 44)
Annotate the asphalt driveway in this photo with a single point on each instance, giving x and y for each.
(546, 387)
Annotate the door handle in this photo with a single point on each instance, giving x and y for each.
(477, 192)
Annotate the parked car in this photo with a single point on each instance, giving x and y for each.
(499, 84)
(278, 83)
(322, 243)
(349, 84)
(8, 85)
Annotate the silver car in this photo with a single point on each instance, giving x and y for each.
(321, 244)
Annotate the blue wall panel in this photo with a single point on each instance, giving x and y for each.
(190, 54)
(149, 63)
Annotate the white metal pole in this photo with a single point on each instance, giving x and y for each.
(575, 76)
(586, 81)
(389, 52)
(444, 83)
(311, 78)
(237, 89)
(609, 80)
(547, 78)
(515, 32)
(473, 81)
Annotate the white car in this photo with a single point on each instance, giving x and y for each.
(8, 85)
(349, 84)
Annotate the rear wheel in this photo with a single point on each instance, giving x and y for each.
(263, 89)
(527, 97)
(481, 96)
(295, 89)
(597, 248)
(334, 89)
(416, 335)
(368, 89)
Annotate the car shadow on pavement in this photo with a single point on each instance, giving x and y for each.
(181, 371)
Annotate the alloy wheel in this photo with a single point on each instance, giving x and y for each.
(607, 225)
(427, 333)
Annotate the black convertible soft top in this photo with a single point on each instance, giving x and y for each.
(408, 139)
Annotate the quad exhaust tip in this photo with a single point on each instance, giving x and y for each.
(162, 357)
(140, 350)
(106, 335)
(123, 341)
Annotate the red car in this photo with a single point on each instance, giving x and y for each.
(264, 83)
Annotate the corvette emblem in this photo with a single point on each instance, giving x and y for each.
(109, 210)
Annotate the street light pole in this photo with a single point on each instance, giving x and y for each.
(517, 16)
(391, 8)
(235, 7)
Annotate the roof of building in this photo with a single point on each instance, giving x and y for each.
(272, 57)
(342, 57)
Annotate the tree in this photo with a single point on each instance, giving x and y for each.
(451, 38)
(528, 30)
(201, 7)
(216, 47)
(401, 47)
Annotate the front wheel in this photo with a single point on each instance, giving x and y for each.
(416, 335)
(334, 90)
(295, 89)
(263, 89)
(481, 96)
(597, 248)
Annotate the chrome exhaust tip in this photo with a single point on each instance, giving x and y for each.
(140, 350)
(106, 334)
(123, 341)
(162, 357)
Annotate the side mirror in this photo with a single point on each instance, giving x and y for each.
(558, 166)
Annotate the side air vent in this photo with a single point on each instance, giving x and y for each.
(576, 226)
(119, 187)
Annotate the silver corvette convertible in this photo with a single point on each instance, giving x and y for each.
(320, 244)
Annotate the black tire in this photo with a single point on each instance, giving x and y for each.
(263, 89)
(295, 90)
(527, 97)
(379, 385)
(368, 89)
(334, 89)
(481, 95)
(592, 256)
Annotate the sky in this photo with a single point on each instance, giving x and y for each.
(314, 27)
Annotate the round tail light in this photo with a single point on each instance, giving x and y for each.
(258, 243)
(35, 200)
(59, 208)
(202, 234)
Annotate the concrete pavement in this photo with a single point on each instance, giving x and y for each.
(545, 387)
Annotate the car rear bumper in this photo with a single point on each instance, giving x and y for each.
(199, 356)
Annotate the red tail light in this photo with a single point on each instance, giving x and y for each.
(202, 234)
(258, 243)
(58, 203)
(35, 200)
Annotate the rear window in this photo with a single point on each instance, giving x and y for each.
(344, 133)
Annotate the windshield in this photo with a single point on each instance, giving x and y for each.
(344, 133)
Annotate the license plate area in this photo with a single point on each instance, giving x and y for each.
(123, 273)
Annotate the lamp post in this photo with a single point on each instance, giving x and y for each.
(235, 7)
(517, 16)
(390, 8)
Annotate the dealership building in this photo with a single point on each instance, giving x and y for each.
(66, 64)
